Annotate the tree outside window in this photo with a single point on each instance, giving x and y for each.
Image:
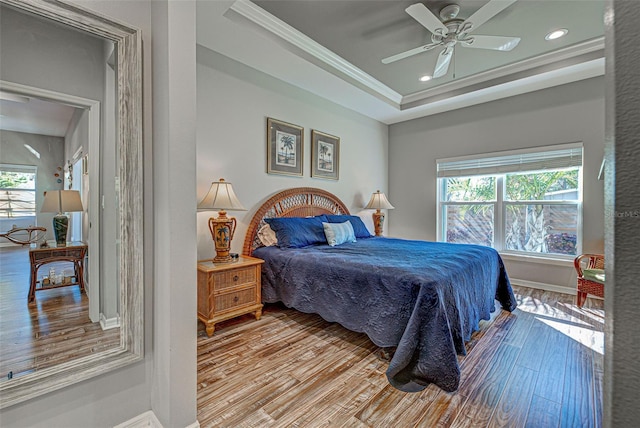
(529, 212)
(17, 192)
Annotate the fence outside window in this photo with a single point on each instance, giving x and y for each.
(523, 201)
(17, 191)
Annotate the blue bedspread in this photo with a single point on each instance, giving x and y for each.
(424, 298)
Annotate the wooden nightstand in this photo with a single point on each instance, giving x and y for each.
(228, 290)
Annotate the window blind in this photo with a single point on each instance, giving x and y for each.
(536, 159)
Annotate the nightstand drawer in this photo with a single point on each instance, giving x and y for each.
(228, 290)
(228, 301)
(234, 278)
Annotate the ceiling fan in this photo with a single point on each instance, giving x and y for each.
(450, 30)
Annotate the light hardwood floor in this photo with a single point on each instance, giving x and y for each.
(54, 329)
(540, 366)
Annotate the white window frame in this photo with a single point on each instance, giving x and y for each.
(29, 169)
(490, 162)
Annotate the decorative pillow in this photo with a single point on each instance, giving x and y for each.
(339, 233)
(298, 232)
(596, 275)
(359, 228)
(267, 236)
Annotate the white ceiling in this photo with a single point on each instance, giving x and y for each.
(34, 116)
(334, 49)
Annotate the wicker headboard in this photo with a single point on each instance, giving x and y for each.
(296, 202)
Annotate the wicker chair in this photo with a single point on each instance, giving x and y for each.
(590, 278)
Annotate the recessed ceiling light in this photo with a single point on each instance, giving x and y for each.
(425, 78)
(556, 34)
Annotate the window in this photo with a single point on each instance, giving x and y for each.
(525, 201)
(17, 191)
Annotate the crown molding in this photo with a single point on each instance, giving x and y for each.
(284, 32)
(580, 52)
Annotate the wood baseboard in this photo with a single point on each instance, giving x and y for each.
(108, 323)
(547, 287)
(147, 419)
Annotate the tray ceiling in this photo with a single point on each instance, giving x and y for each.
(349, 38)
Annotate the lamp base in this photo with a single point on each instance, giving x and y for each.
(221, 257)
(378, 222)
(60, 227)
(222, 230)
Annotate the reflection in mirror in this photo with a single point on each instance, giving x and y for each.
(70, 100)
(46, 144)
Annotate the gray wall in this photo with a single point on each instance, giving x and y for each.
(234, 102)
(51, 150)
(173, 392)
(564, 114)
(78, 136)
(45, 55)
(109, 295)
(622, 222)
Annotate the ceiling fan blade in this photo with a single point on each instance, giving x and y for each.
(497, 43)
(442, 65)
(484, 14)
(409, 53)
(420, 13)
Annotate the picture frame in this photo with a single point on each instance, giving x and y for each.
(325, 155)
(285, 148)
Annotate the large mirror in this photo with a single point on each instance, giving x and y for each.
(99, 157)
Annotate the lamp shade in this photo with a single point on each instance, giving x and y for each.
(61, 201)
(221, 197)
(379, 201)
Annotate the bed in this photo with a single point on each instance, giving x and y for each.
(424, 299)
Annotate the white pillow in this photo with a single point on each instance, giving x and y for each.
(267, 236)
(339, 233)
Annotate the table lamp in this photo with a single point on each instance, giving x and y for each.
(221, 197)
(378, 202)
(61, 202)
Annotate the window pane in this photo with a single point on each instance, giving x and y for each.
(17, 203)
(17, 180)
(540, 186)
(470, 189)
(17, 194)
(469, 224)
(542, 228)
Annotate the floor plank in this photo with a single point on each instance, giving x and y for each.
(540, 366)
(54, 329)
(543, 413)
(577, 397)
(512, 409)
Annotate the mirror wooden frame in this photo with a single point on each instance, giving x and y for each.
(128, 42)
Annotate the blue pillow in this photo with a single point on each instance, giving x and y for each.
(298, 232)
(339, 233)
(359, 228)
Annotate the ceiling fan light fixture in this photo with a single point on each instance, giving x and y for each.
(425, 78)
(556, 34)
(449, 12)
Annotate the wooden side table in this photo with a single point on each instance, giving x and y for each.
(228, 290)
(74, 252)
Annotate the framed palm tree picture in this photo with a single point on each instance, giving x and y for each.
(285, 147)
(325, 155)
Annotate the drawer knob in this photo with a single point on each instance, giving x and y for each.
(236, 278)
(235, 299)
